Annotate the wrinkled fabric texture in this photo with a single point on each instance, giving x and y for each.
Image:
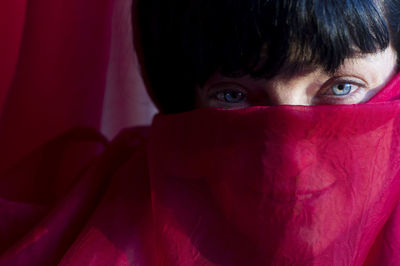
(287, 185)
(284, 185)
(66, 63)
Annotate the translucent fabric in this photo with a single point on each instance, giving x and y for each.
(286, 185)
(66, 63)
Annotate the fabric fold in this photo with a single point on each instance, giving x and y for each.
(282, 185)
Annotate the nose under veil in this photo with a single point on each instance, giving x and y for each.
(281, 185)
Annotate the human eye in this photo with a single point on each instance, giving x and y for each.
(341, 92)
(342, 89)
(228, 95)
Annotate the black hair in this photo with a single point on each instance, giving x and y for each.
(181, 43)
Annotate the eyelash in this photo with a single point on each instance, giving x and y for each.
(218, 93)
(325, 96)
(214, 94)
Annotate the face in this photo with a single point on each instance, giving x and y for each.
(356, 81)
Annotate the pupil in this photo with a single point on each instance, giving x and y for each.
(233, 96)
(341, 89)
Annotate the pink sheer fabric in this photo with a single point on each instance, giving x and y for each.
(274, 186)
(286, 185)
(66, 64)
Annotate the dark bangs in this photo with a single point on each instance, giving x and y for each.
(277, 36)
(184, 42)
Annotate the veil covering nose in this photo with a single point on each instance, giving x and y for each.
(281, 185)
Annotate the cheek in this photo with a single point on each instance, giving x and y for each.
(385, 75)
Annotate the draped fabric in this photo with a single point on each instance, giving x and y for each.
(65, 64)
(283, 185)
(68, 76)
(286, 185)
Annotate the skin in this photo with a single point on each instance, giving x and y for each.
(356, 81)
(316, 223)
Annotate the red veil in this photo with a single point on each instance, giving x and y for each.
(286, 185)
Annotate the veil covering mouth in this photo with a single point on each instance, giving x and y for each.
(282, 185)
(279, 185)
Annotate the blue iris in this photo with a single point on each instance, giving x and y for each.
(341, 89)
(233, 96)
